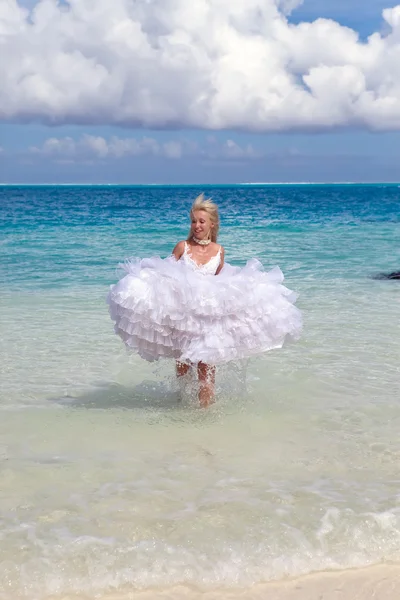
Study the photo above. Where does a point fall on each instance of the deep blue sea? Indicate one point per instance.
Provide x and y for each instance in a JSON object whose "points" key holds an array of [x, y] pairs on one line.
{"points": [[109, 485]]}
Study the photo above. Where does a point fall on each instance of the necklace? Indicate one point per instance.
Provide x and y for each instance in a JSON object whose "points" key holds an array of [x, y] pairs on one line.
{"points": [[201, 242]]}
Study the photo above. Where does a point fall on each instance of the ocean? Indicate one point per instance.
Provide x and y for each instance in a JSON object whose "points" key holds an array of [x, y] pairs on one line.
{"points": [[109, 485]]}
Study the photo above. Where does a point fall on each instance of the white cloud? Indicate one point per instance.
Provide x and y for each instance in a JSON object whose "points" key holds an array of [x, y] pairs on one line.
{"points": [[56, 146], [232, 150], [233, 64], [89, 147], [99, 147]]}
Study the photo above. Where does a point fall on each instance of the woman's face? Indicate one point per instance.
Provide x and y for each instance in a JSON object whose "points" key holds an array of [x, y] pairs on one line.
{"points": [[201, 224]]}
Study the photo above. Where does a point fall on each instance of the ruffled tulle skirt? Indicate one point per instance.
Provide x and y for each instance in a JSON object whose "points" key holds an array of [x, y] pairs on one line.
{"points": [[162, 308]]}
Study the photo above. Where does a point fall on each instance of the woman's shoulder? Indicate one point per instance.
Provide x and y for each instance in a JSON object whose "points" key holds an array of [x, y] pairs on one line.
{"points": [[216, 247], [179, 249], [180, 245]]}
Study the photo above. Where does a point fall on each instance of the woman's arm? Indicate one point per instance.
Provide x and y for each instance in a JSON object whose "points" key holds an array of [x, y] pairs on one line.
{"points": [[178, 250], [222, 261]]}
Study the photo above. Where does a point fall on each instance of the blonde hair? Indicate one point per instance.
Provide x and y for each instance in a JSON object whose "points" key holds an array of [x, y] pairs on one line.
{"points": [[206, 204]]}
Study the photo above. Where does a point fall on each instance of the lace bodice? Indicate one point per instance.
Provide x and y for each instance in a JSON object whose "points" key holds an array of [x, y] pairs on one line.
{"points": [[209, 268]]}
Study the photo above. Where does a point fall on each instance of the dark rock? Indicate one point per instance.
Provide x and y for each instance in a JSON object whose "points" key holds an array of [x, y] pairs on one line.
{"points": [[394, 275]]}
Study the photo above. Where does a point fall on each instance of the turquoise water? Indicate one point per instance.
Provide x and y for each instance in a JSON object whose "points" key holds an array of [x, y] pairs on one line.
{"points": [[107, 481]]}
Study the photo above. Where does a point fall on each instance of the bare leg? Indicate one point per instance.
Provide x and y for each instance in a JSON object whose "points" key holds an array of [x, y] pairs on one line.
{"points": [[181, 368], [206, 375]]}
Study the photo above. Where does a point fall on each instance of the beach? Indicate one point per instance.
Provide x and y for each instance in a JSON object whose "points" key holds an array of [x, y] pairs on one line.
{"points": [[112, 487], [377, 583]]}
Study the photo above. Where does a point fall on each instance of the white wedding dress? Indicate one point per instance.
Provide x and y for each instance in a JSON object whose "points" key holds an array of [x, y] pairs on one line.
{"points": [[182, 310]]}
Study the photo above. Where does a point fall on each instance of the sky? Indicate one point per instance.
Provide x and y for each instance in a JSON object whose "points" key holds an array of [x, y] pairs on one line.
{"points": [[206, 91]]}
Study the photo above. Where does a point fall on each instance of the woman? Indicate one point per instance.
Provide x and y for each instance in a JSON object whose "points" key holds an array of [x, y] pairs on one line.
{"points": [[195, 308], [201, 252]]}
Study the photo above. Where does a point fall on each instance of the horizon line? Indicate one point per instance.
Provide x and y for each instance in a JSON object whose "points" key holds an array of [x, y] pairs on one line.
{"points": [[196, 184]]}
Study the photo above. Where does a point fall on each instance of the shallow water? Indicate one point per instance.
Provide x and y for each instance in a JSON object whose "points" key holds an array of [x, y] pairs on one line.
{"points": [[107, 479]]}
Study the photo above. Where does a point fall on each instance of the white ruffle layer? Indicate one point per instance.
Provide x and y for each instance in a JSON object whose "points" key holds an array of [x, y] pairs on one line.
{"points": [[161, 308]]}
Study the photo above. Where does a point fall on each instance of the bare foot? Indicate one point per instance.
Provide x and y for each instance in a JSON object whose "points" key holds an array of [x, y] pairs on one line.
{"points": [[206, 375], [206, 396]]}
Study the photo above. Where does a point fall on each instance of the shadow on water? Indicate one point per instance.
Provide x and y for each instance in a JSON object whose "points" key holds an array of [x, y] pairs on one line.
{"points": [[158, 394], [146, 395]]}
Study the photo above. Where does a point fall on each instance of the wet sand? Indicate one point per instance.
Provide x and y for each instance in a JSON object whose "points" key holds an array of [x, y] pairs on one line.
{"points": [[373, 583]]}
